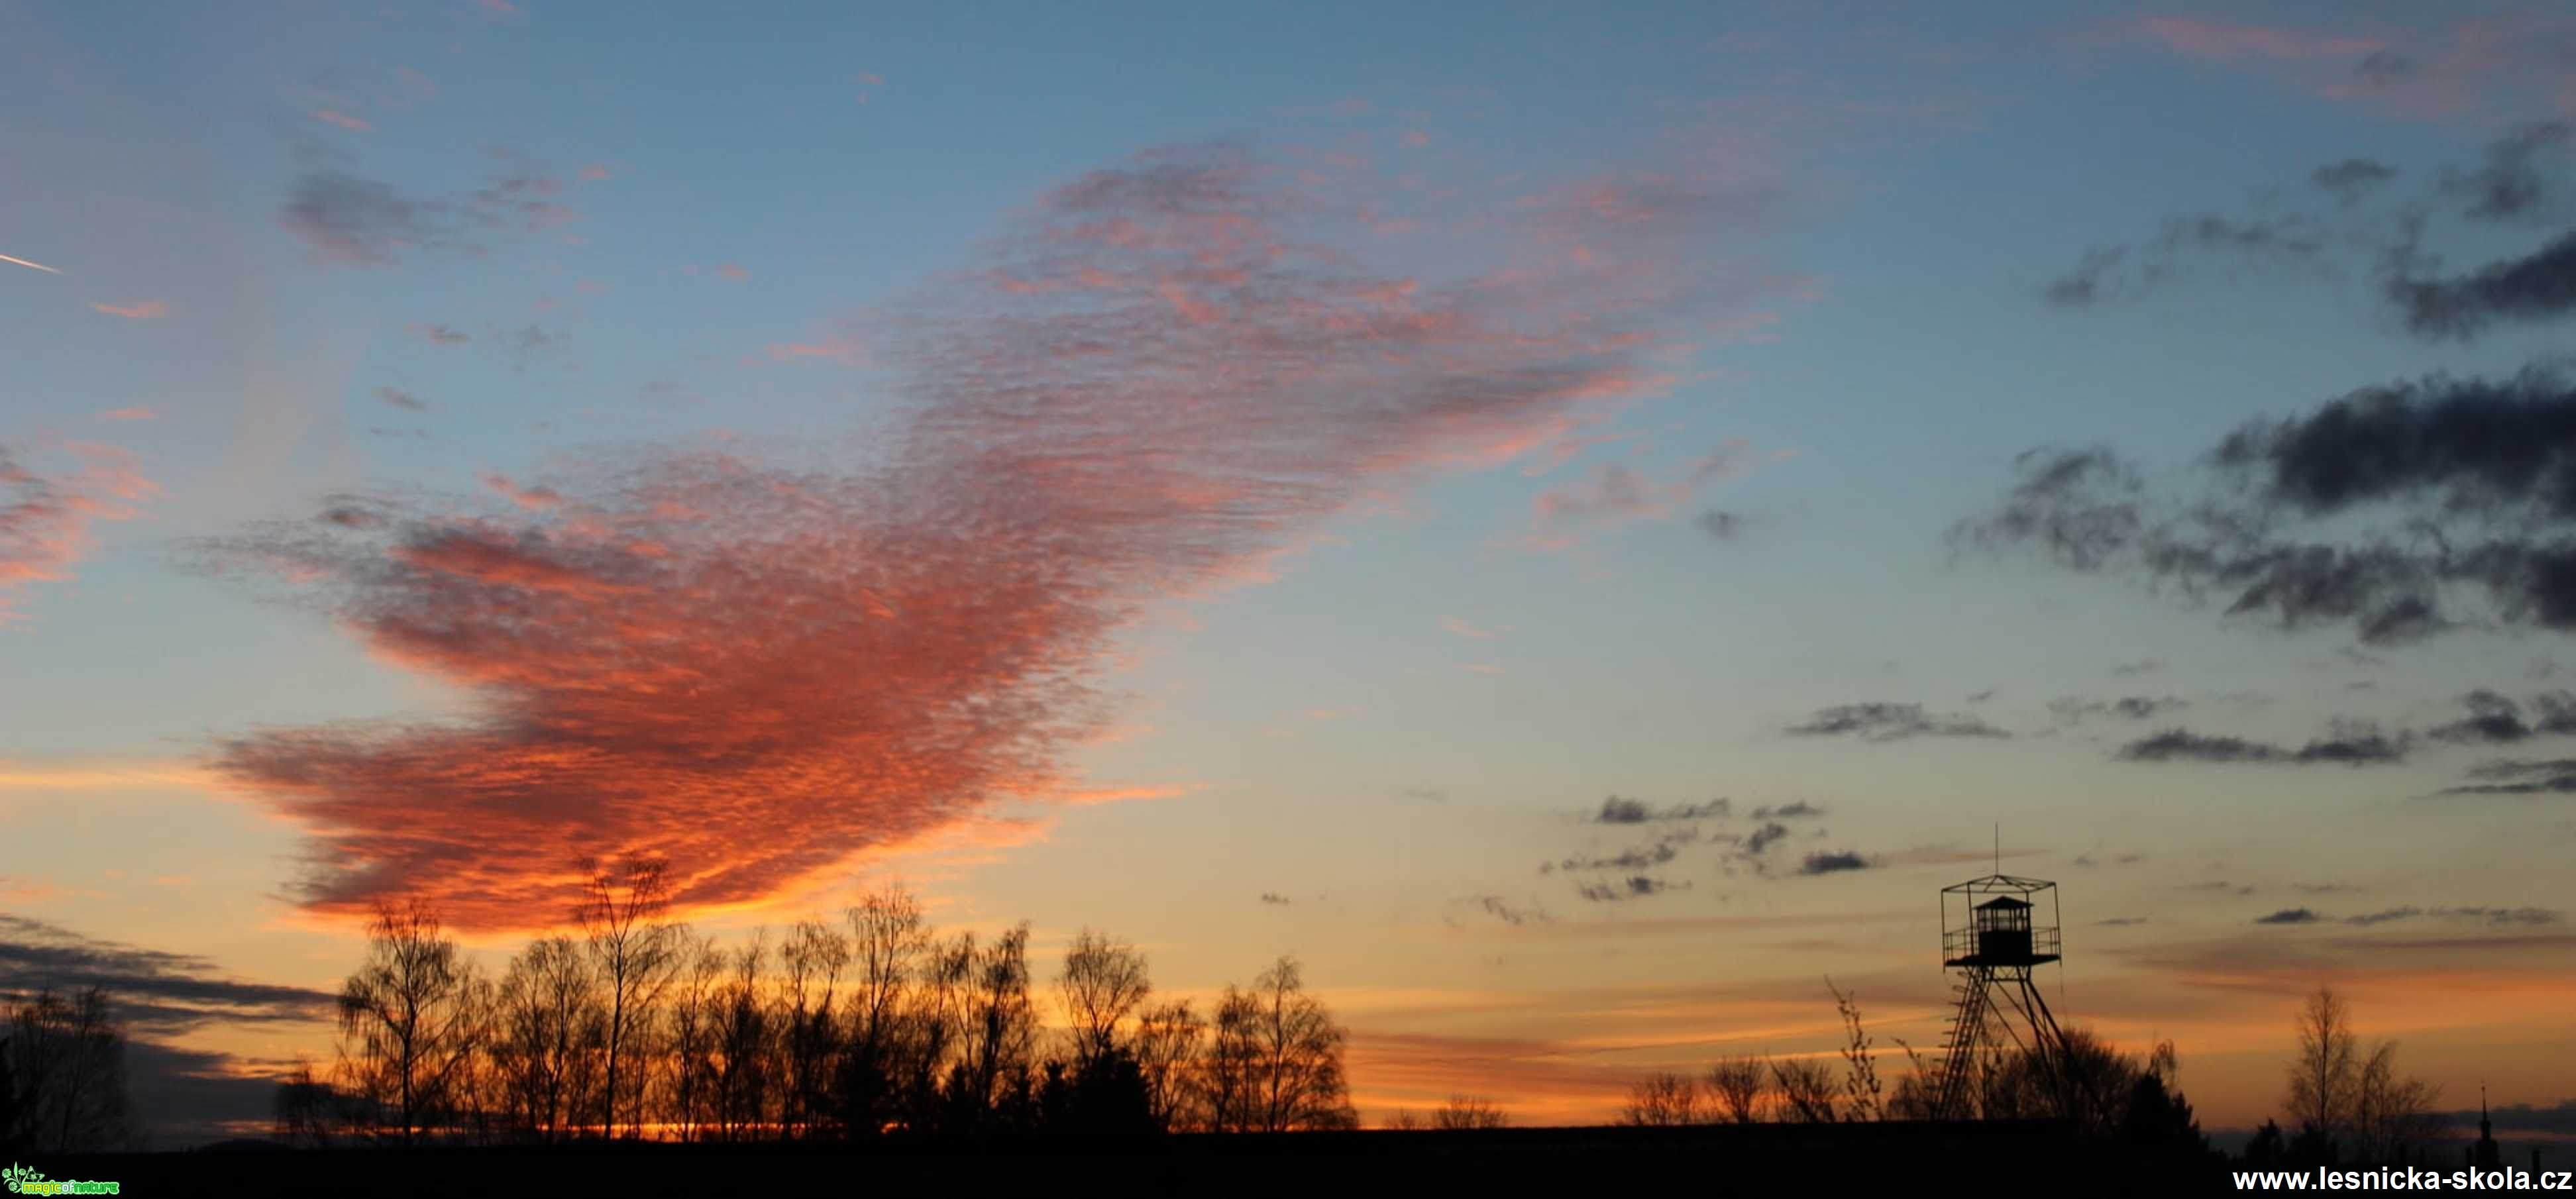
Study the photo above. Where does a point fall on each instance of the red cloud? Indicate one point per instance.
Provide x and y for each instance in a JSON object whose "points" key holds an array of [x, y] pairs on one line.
{"points": [[138, 310], [758, 671], [44, 521]]}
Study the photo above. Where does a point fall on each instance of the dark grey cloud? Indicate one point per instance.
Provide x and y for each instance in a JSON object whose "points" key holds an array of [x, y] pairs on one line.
{"points": [[2523, 917], [1617, 809], [399, 398], [2495, 719], [2220, 886], [2120, 922], [2075, 710], [2375, 511], [1764, 838], [2122, 271], [356, 221], [2523, 1118], [2349, 744], [2516, 178], [2536, 286], [1496, 907], [2512, 183], [186, 1097], [1719, 524], [2139, 667], [156, 992], [1833, 863], [2550, 776], [1425, 794], [1657, 853], [2351, 178], [1795, 810], [2289, 916], [1890, 722], [1634, 886], [348, 218], [1273, 897], [438, 334]]}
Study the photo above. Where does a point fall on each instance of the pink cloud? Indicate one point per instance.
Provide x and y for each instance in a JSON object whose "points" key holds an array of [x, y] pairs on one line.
{"points": [[135, 310], [499, 10], [2501, 65], [758, 671], [411, 89], [1464, 629], [831, 347], [333, 116], [531, 498], [131, 412], [1104, 795], [2228, 40], [45, 519]]}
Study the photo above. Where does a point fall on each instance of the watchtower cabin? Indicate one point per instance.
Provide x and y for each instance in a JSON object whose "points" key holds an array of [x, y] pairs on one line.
{"points": [[1999, 933]]}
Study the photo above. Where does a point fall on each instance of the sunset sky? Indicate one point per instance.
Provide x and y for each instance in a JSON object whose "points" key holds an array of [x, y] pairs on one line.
{"points": [[1574, 520]]}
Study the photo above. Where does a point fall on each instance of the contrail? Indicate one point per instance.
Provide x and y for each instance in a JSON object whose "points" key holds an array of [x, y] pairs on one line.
{"points": [[34, 265]]}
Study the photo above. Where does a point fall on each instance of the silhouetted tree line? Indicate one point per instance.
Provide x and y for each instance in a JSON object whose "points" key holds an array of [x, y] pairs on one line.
{"points": [[873, 1025], [2084, 1083], [62, 1075]]}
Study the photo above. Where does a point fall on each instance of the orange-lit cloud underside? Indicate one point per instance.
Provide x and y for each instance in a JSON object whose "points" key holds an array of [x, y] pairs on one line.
{"points": [[1165, 374]]}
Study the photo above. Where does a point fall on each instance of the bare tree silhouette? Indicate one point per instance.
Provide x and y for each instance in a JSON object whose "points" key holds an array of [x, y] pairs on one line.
{"points": [[1807, 1090], [549, 1040], [62, 1074], [1104, 982], [1662, 1101], [411, 1020], [2345, 1100], [1859, 1060], [1170, 1042], [1276, 1064], [626, 916], [1735, 1085], [1468, 1112], [2322, 1076], [815, 956]]}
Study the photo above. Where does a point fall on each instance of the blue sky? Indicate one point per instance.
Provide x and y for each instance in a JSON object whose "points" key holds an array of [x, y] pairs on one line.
{"points": [[1383, 639]]}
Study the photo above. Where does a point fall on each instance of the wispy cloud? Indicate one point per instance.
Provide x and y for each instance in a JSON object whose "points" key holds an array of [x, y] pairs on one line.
{"points": [[156, 991], [2350, 744], [2504, 62], [1882, 721], [355, 220], [1464, 629], [45, 519], [135, 310]]}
